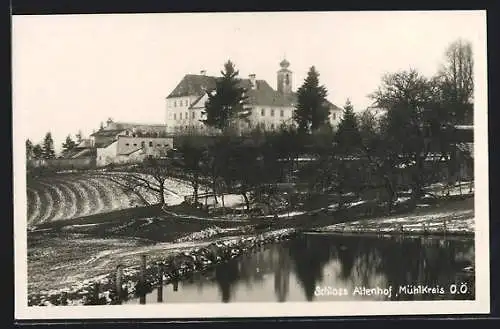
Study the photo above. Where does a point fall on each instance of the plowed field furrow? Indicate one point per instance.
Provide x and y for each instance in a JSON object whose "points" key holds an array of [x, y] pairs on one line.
{"points": [[50, 196], [70, 194], [96, 204], [82, 203], [34, 205]]}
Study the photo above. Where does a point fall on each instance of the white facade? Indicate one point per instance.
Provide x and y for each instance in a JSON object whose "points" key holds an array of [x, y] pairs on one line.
{"points": [[127, 149], [269, 108]]}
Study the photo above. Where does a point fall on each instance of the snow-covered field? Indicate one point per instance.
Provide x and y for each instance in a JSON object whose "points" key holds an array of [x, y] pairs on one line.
{"points": [[452, 222], [70, 196]]}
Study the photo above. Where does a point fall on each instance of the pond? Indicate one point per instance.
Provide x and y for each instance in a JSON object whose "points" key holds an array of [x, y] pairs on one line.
{"points": [[327, 267]]}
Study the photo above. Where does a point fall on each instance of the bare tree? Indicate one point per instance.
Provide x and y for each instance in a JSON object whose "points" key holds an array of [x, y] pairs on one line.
{"points": [[456, 78], [148, 178]]}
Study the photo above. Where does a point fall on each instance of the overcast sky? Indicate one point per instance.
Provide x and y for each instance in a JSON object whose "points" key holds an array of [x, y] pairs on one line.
{"points": [[71, 72]]}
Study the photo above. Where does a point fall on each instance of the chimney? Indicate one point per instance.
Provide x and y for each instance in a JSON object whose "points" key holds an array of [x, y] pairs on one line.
{"points": [[252, 81], [203, 72]]}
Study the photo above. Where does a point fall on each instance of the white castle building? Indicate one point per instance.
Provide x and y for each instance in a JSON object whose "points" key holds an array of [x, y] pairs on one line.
{"points": [[269, 108]]}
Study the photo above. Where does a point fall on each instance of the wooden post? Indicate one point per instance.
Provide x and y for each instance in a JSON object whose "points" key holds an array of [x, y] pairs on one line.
{"points": [[64, 298], [142, 279], [401, 229], [119, 284], [176, 285], [444, 226], [160, 283], [97, 289], [425, 228]]}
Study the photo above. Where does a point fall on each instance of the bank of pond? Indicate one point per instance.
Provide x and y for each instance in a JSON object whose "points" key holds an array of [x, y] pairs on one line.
{"points": [[287, 265]]}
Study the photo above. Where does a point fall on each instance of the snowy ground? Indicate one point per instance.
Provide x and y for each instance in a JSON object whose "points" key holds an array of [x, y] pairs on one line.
{"points": [[453, 222]]}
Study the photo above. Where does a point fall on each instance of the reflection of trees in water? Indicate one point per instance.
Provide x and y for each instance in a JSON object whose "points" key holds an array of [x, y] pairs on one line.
{"points": [[250, 269], [365, 261], [309, 255], [226, 275], [282, 268], [422, 261], [375, 262]]}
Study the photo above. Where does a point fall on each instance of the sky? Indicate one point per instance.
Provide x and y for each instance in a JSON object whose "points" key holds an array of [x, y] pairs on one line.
{"points": [[71, 72]]}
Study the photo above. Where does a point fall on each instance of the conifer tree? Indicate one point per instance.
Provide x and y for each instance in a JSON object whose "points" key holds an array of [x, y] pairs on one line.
{"points": [[37, 151], [347, 137], [68, 145], [312, 109], [226, 102], [29, 149], [48, 147]]}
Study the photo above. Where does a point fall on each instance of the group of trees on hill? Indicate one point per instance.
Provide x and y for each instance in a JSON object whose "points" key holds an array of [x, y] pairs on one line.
{"points": [[46, 150], [365, 151]]}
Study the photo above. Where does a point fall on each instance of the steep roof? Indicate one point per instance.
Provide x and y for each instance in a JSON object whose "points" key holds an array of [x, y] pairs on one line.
{"points": [[193, 84], [263, 94]]}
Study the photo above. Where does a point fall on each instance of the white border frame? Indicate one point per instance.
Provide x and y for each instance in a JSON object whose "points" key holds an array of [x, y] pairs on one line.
{"points": [[480, 305]]}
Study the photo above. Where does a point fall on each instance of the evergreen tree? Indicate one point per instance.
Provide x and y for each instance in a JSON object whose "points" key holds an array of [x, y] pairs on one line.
{"points": [[29, 149], [226, 102], [347, 137], [48, 147], [37, 151], [68, 145], [312, 109]]}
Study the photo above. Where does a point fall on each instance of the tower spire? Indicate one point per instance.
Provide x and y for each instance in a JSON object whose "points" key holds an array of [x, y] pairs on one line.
{"points": [[284, 84]]}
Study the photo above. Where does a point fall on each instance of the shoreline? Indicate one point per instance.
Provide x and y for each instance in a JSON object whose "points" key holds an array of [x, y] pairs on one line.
{"points": [[101, 290]]}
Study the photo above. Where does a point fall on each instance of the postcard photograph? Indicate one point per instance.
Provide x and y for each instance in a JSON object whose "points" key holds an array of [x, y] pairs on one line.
{"points": [[199, 165]]}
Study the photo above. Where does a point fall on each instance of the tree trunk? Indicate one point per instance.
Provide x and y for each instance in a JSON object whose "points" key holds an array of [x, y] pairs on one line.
{"points": [[214, 190], [247, 202], [195, 189], [162, 194], [390, 193]]}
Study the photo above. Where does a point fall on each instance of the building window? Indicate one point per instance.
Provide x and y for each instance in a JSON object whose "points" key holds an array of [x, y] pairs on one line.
{"points": [[175, 103], [158, 144], [150, 143], [272, 112], [192, 114], [175, 116], [282, 113], [186, 115], [127, 144], [272, 125], [334, 116], [135, 144], [262, 112]]}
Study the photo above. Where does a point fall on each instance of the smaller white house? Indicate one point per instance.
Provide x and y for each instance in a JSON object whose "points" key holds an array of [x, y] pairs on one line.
{"points": [[127, 149]]}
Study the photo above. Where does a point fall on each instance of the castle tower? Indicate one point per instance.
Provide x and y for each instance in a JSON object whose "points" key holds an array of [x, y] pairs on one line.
{"points": [[284, 78]]}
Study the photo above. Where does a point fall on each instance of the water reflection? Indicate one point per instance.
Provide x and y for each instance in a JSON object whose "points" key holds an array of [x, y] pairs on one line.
{"points": [[328, 267]]}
